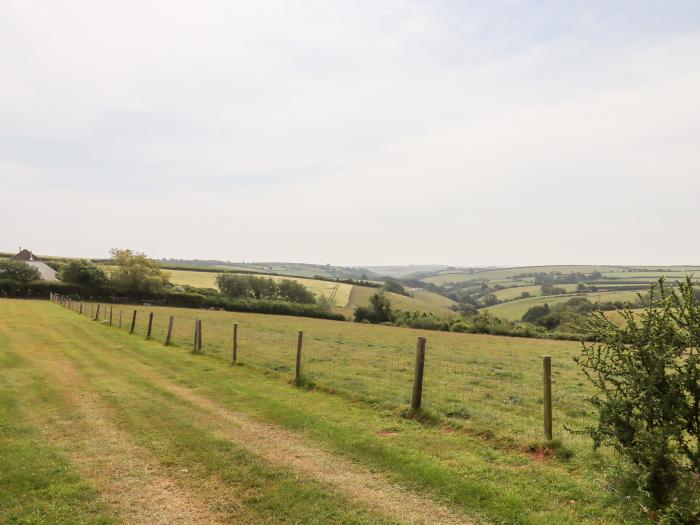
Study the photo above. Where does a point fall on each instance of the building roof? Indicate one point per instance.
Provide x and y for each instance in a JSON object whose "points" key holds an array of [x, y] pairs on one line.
{"points": [[25, 255]]}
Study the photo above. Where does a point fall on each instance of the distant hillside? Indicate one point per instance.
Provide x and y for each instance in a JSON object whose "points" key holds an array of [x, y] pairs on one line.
{"points": [[280, 268], [345, 297], [418, 270], [510, 292]]}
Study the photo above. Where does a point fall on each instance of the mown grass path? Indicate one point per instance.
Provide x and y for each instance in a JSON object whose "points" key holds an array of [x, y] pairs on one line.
{"points": [[159, 453], [152, 434]]}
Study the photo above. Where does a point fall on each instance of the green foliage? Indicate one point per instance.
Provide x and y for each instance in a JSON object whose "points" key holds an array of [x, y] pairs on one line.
{"points": [[83, 272], [378, 311], [394, 286], [294, 291], [550, 289], [136, 272], [536, 313], [490, 300], [18, 271], [647, 377], [567, 316], [236, 286]]}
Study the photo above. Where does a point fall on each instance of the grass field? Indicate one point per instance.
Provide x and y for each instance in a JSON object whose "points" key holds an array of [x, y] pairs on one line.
{"points": [[315, 286], [128, 429], [346, 298], [423, 301], [618, 283], [508, 294], [509, 273], [514, 310]]}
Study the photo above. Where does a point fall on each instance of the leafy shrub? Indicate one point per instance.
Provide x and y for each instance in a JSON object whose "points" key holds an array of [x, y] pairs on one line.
{"points": [[536, 313], [18, 271], [647, 376], [238, 286], [83, 272], [378, 311], [394, 286]]}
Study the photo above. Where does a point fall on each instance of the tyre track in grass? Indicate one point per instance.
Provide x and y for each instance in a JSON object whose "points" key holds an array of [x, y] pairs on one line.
{"points": [[286, 448], [125, 474]]}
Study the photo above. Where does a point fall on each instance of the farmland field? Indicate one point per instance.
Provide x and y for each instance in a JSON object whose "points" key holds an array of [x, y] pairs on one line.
{"points": [[346, 296], [85, 395], [514, 310], [341, 291]]}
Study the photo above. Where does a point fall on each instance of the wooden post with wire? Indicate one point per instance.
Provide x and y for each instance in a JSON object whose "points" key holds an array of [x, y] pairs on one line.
{"points": [[547, 369], [133, 323], [150, 325], [196, 346], [120, 319], [81, 308], [300, 341], [417, 395], [111, 309], [234, 351], [170, 330], [97, 313]]}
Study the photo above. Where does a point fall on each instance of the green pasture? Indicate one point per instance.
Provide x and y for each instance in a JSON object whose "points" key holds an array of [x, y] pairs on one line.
{"points": [[339, 291], [479, 446], [514, 310]]}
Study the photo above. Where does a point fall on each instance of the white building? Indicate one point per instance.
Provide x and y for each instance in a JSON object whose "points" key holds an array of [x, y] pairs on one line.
{"points": [[47, 273]]}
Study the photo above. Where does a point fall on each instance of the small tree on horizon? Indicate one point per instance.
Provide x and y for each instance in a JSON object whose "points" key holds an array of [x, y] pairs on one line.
{"points": [[136, 272]]}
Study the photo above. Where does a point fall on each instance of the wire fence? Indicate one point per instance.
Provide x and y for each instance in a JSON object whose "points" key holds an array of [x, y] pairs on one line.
{"points": [[380, 371]]}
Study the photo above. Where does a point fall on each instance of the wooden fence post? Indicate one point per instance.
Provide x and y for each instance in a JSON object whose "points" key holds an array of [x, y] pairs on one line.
{"points": [[300, 340], [133, 323], [97, 314], [547, 368], [170, 330], [234, 353], [150, 325], [92, 310], [197, 328], [111, 308], [120, 319], [417, 396], [81, 308]]}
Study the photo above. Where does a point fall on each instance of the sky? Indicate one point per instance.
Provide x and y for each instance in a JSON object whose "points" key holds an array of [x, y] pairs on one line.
{"points": [[353, 132]]}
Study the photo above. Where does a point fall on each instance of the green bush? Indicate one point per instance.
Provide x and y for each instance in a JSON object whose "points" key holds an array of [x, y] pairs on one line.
{"points": [[239, 286], [378, 311], [18, 271], [83, 272], [647, 377]]}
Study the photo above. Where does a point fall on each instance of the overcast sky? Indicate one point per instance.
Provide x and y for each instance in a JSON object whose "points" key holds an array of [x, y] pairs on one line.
{"points": [[353, 132]]}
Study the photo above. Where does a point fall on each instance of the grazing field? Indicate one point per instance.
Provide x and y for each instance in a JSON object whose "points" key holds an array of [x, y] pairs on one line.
{"points": [[514, 310], [346, 297], [508, 294], [339, 291], [510, 273], [423, 301], [600, 284], [477, 454]]}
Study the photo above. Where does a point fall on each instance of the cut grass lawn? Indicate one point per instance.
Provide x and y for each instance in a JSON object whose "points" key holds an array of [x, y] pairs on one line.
{"points": [[479, 452], [165, 459]]}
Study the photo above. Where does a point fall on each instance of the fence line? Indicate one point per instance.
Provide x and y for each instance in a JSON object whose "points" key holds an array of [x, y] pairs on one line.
{"points": [[384, 375]]}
